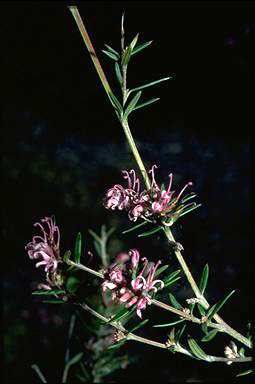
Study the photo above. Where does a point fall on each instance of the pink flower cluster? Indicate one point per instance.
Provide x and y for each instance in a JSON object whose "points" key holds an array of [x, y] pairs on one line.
{"points": [[129, 284], [46, 247], [150, 204]]}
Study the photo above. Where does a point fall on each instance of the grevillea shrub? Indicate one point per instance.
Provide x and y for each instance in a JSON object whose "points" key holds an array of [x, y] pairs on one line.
{"points": [[128, 284]]}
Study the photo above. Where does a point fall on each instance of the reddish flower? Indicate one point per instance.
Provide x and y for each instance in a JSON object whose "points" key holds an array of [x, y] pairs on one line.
{"points": [[150, 204], [46, 247], [129, 286]]}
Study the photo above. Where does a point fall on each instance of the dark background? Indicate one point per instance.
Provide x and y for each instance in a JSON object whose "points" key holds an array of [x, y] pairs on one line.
{"points": [[63, 147]]}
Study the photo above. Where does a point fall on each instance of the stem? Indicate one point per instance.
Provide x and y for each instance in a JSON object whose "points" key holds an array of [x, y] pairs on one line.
{"points": [[91, 50], [178, 348]]}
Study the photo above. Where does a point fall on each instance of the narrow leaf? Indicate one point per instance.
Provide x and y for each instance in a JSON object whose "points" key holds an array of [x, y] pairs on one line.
{"points": [[96, 237], [111, 55], [245, 373], [201, 310], [172, 276], [160, 270], [195, 348], [48, 293], [126, 56], [204, 279], [135, 227], [141, 46], [97, 248], [194, 206], [118, 73], [75, 359], [112, 50], [139, 325], [175, 302], [188, 197], [52, 301], [119, 315], [151, 232], [149, 84], [179, 333], [116, 103], [169, 324], [133, 42], [77, 248], [171, 282], [219, 305], [210, 335], [117, 344], [146, 103], [132, 104]]}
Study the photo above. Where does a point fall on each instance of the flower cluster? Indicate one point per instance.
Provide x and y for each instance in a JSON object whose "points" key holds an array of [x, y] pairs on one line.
{"points": [[131, 284], [150, 204], [46, 247]]}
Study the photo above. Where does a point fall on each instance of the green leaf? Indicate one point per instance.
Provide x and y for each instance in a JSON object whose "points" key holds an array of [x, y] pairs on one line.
{"points": [[134, 41], [49, 293], [171, 282], [160, 270], [72, 284], [135, 227], [126, 56], [204, 328], [197, 351], [171, 336], [245, 373], [119, 315], [201, 310], [77, 248], [188, 197], [97, 248], [175, 302], [204, 279], [171, 278], [117, 344], [146, 103], [219, 305], [151, 232], [116, 104], [180, 332], [111, 55], [169, 324], [141, 46], [139, 325], [67, 256], [210, 335], [118, 73], [194, 206], [149, 84], [112, 50], [53, 301], [132, 104], [93, 234]]}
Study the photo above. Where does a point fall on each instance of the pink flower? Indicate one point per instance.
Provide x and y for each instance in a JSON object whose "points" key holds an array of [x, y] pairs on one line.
{"points": [[130, 284], [152, 204], [46, 247]]}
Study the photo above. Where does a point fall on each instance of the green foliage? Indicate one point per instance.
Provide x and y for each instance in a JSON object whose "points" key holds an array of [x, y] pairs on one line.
{"points": [[131, 105], [196, 350], [169, 324], [140, 47], [204, 279], [77, 248], [174, 302], [172, 278], [216, 307], [151, 232], [210, 335]]}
